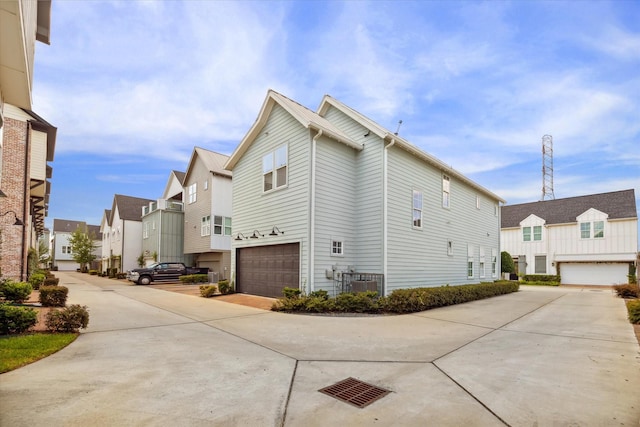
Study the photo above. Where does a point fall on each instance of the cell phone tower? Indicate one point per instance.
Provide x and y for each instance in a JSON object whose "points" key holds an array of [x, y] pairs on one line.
{"points": [[547, 168]]}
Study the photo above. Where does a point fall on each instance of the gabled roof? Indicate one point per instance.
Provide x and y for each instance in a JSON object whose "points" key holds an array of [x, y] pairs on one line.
{"points": [[179, 175], [213, 161], [617, 204], [129, 208], [303, 115], [400, 142], [66, 225], [176, 178], [107, 216], [95, 231]]}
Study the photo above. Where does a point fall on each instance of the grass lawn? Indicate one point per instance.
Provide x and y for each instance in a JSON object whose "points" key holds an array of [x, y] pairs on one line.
{"points": [[20, 350]]}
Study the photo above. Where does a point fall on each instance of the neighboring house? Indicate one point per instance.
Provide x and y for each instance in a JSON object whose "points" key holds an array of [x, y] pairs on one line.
{"points": [[27, 141], [62, 255], [123, 246], [323, 197], [105, 248], [587, 240], [163, 225], [207, 212]]}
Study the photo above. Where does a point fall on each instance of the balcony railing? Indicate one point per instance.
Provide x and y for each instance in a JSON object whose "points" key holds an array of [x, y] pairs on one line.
{"points": [[167, 205]]}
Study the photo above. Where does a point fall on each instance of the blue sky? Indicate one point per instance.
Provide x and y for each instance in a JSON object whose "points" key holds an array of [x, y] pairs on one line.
{"points": [[133, 86]]}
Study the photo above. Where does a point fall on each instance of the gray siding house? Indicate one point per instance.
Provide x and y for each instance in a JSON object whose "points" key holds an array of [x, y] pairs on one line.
{"points": [[207, 212], [331, 200]]}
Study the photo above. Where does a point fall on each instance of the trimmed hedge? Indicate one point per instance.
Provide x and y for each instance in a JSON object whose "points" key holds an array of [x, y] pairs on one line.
{"points": [[17, 292], [225, 287], [420, 299], [399, 301], [16, 320], [36, 280], [194, 278], [53, 296], [633, 307], [69, 319], [51, 281], [541, 278]]}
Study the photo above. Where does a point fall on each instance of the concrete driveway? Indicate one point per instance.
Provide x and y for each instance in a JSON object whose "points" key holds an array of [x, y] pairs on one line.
{"points": [[539, 357]]}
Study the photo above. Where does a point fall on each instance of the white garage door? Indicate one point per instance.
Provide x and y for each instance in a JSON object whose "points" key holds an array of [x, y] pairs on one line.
{"points": [[593, 274]]}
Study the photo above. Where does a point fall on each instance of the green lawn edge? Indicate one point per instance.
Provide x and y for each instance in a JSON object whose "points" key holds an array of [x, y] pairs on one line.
{"points": [[20, 350]]}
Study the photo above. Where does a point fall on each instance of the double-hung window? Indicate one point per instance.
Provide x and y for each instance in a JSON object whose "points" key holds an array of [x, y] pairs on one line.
{"points": [[470, 261], [221, 225], [585, 230], [537, 233], [205, 226], [526, 234], [274, 169], [494, 262], [192, 192], [417, 209], [446, 191], [598, 229]]}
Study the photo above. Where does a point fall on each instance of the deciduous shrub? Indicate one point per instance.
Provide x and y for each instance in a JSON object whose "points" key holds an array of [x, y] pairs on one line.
{"points": [[208, 291], [51, 281], [53, 296], [69, 319], [627, 291], [225, 287], [291, 292], [360, 302], [194, 278], [17, 292], [36, 280], [16, 320], [633, 307]]}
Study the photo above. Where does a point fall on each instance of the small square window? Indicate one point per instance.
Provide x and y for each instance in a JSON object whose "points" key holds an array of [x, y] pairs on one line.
{"points": [[337, 248]]}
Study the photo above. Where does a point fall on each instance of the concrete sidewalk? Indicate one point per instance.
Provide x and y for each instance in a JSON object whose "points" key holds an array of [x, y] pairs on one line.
{"points": [[541, 356]]}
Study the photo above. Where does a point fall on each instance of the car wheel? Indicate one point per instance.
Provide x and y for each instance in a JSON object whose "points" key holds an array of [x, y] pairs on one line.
{"points": [[144, 280]]}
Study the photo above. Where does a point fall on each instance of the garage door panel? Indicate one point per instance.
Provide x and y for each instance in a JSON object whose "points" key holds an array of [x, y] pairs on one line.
{"points": [[267, 270], [593, 273]]}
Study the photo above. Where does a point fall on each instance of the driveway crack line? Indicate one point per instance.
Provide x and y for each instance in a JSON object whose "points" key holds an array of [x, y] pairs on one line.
{"points": [[286, 403]]}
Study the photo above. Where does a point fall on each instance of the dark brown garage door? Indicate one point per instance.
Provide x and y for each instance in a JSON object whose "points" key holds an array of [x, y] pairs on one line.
{"points": [[266, 270]]}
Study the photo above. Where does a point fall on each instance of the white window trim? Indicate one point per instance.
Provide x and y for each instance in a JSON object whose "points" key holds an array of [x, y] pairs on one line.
{"points": [[340, 243], [478, 202], [205, 226], [446, 191], [192, 193], [414, 209], [592, 229], [450, 247], [274, 169], [494, 262], [470, 254]]}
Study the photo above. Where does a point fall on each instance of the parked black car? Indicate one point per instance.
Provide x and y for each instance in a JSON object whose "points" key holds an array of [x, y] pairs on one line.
{"points": [[162, 272]]}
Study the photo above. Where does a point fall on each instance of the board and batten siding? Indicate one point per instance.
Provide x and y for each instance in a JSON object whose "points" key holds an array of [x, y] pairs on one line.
{"points": [[419, 257], [286, 208], [38, 160], [336, 209], [194, 242], [368, 220]]}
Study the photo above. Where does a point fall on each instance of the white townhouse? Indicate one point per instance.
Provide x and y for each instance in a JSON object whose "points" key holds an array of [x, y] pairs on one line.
{"points": [[331, 200], [61, 253], [587, 240]]}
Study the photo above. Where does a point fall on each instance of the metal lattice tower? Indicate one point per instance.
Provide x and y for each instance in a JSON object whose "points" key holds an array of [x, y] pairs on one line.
{"points": [[547, 168]]}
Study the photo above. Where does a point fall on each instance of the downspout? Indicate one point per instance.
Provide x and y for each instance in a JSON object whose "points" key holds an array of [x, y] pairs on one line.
{"points": [[312, 214], [385, 225], [24, 202]]}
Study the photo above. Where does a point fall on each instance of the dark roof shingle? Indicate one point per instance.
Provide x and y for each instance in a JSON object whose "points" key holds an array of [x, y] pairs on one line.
{"points": [[129, 208], [617, 204]]}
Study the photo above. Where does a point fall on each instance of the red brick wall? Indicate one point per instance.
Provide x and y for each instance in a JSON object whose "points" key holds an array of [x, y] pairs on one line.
{"points": [[13, 185]]}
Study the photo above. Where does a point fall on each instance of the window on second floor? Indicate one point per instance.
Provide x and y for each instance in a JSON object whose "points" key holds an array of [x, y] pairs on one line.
{"points": [[537, 233], [337, 248], [145, 230], [205, 226], [221, 225], [192, 192], [586, 229], [417, 209], [446, 191], [274, 169]]}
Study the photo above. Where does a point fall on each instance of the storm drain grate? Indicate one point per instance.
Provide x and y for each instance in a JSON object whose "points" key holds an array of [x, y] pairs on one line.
{"points": [[355, 392]]}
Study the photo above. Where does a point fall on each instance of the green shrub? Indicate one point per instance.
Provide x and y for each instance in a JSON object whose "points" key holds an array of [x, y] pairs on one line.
{"points": [[291, 292], [93, 272], [36, 280], [320, 293], [361, 302], [16, 320], [225, 287], [194, 278], [420, 299], [506, 263], [208, 291], [627, 291], [51, 281], [633, 307], [69, 319], [541, 278], [17, 292], [53, 296], [540, 283]]}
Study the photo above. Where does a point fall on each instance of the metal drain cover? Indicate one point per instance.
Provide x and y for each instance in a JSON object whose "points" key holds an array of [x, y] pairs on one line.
{"points": [[355, 392]]}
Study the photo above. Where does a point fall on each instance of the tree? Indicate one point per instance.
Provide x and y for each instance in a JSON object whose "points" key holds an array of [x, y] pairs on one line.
{"points": [[507, 265], [82, 247]]}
